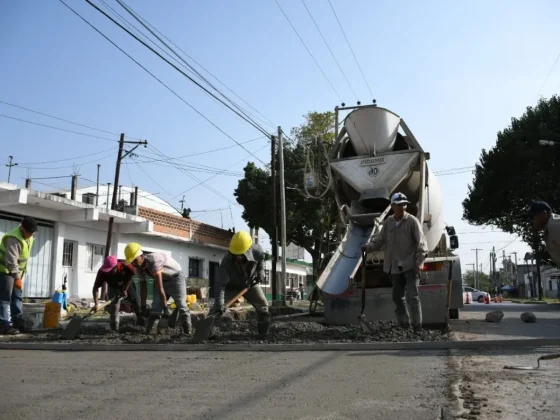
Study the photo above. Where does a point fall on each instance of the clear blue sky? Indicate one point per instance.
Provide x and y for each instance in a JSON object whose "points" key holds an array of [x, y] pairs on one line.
{"points": [[455, 71]]}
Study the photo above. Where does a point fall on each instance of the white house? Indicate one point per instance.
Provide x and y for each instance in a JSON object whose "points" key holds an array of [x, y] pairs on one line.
{"points": [[72, 237]]}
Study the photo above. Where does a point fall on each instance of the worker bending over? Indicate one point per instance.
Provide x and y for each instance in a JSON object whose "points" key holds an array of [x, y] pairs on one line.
{"points": [[15, 249], [242, 266], [542, 218], [119, 277], [169, 281], [405, 252]]}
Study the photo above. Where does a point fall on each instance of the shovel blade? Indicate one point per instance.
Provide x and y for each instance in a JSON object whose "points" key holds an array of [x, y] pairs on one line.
{"points": [[203, 330], [73, 328], [364, 324]]}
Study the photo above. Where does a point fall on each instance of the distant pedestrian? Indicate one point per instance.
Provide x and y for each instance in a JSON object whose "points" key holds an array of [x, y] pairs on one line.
{"points": [[119, 277], [405, 252], [169, 281], [15, 250], [542, 218]]}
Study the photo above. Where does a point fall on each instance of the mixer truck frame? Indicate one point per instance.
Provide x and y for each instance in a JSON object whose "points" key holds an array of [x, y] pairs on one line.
{"points": [[374, 155]]}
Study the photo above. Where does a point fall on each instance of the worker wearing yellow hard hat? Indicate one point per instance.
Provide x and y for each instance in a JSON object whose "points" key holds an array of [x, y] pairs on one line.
{"points": [[169, 281], [241, 267]]}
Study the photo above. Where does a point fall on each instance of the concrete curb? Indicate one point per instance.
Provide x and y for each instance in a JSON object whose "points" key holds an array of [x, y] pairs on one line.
{"points": [[435, 345]]}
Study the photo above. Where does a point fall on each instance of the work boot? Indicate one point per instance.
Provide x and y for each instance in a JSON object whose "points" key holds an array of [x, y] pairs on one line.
{"points": [[417, 327], [263, 324], [140, 321], [19, 325], [152, 325], [10, 331], [187, 324], [114, 326], [172, 322]]}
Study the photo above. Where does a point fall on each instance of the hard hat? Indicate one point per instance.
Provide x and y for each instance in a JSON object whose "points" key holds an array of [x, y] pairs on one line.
{"points": [[132, 251], [240, 243]]}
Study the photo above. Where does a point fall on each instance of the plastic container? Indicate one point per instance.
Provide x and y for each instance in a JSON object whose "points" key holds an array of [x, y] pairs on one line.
{"points": [[191, 298], [61, 297], [51, 316]]}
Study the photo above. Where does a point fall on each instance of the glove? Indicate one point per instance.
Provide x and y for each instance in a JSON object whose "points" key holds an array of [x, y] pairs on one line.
{"points": [[18, 283]]}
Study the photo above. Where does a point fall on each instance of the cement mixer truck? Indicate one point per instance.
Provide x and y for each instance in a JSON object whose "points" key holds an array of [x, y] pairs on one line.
{"points": [[373, 156]]}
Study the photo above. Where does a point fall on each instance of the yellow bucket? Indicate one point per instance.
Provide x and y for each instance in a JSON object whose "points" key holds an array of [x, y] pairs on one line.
{"points": [[191, 298], [51, 316]]}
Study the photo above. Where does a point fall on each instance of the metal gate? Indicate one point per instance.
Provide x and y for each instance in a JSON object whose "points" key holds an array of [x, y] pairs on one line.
{"points": [[37, 281]]}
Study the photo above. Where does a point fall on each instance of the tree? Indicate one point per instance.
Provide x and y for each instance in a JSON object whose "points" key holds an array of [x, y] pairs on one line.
{"points": [[310, 223], [483, 281], [517, 171]]}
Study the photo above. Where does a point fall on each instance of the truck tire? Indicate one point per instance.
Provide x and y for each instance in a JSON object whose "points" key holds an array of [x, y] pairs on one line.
{"points": [[454, 313]]}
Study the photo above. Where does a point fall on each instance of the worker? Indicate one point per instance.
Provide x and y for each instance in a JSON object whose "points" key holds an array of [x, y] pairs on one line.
{"points": [[543, 219], [241, 267], [15, 249], [169, 281], [119, 277], [405, 251]]}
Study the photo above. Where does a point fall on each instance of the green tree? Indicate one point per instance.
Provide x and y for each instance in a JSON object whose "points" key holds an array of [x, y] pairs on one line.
{"points": [[517, 171], [483, 282], [310, 223]]}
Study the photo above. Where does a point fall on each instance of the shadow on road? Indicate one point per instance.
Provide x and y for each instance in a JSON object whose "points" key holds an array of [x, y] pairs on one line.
{"points": [[443, 353]]}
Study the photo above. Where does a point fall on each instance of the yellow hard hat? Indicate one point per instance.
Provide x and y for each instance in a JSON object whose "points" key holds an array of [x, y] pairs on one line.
{"points": [[132, 251], [240, 243]]}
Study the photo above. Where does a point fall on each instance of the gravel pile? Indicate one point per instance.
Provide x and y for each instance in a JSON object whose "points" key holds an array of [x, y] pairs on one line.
{"points": [[281, 332]]}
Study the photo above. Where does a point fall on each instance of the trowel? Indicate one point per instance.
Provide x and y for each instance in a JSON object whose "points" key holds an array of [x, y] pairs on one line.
{"points": [[545, 357], [75, 325]]}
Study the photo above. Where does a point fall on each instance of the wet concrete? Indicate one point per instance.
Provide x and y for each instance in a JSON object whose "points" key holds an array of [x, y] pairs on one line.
{"points": [[230, 332]]}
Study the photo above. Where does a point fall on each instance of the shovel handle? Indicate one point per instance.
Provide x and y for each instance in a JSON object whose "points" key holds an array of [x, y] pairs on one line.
{"points": [[237, 296], [550, 356], [99, 308]]}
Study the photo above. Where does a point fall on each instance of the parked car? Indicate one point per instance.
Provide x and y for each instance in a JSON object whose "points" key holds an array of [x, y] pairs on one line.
{"points": [[477, 295]]}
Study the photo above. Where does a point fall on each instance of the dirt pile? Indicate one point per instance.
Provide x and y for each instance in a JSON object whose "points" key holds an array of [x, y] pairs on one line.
{"points": [[287, 332]]}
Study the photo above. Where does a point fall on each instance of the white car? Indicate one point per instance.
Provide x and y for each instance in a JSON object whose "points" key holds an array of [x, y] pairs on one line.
{"points": [[477, 295]]}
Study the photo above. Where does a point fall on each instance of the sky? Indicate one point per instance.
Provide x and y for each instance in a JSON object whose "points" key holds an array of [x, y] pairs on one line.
{"points": [[457, 72]]}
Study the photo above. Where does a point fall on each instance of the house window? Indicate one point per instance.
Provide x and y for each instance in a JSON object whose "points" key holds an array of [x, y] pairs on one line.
{"points": [[95, 255], [67, 253], [195, 267], [550, 285], [88, 198], [266, 277]]}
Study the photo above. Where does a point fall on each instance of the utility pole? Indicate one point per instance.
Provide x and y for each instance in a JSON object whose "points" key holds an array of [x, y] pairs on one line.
{"points": [[282, 212], [476, 267], [10, 165], [274, 238], [515, 277], [97, 185], [108, 188], [504, 263], [182, 201], [120, 157]]}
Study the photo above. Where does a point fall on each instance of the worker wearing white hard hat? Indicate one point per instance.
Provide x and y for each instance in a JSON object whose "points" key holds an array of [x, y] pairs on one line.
{"points": [[405, 251], [169, 281], [242, 266]]}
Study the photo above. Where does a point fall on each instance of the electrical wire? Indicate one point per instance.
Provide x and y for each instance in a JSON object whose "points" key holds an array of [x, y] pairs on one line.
{"points": [[329, 48], [156, 78], [67, 159], [548, 75], [351, 49], [68, 166], [58, 128], [239, 114], [153, 30], [308, 50]]}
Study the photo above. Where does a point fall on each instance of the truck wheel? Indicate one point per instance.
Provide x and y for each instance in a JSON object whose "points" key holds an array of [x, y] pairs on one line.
{"points": [[454, 313]]}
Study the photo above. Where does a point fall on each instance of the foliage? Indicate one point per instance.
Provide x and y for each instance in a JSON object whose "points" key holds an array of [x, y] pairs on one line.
{"points": [[483, 282], [310, 223], [517, 171]]}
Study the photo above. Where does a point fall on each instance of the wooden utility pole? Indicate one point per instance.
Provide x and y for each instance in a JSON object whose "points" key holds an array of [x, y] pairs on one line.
{"points": [[120, 157], [282, 214], [476, 267], [10, 165], [274, 238]]}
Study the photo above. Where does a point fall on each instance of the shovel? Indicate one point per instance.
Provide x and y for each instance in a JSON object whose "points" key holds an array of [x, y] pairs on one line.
{"points": [[362, 318], [75, 325], [205, 326], [545, 357]]}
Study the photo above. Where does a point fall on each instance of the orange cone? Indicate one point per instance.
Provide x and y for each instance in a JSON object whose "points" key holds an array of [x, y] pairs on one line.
{"points": [[487, 299], [501, 299], [467, 301]]}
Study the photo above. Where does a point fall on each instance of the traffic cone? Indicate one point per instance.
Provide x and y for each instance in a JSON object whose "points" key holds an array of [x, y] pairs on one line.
{"points": [[496, 299], [467, 301], [501, 299], [487, 299]]}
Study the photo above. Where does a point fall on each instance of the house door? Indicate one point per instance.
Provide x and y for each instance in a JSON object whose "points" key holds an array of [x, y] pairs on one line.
{"points": [[69, 251], [212, 275]]}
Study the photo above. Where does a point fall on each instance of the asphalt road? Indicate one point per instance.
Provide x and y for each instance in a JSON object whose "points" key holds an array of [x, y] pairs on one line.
{"points": [[141, 385]]}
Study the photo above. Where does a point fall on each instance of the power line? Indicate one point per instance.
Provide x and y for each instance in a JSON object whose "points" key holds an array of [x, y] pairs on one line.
{"points": [[244, 117], [351, 49], [329, 48], [548, 75], [156, 78], [154, 31], [57, 128], [308, 50], [67, 159], [70, 166]]}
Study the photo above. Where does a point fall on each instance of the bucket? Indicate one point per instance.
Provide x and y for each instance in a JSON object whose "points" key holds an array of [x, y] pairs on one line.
{"points": [[60, 297], [51, 316], [191, 298]]}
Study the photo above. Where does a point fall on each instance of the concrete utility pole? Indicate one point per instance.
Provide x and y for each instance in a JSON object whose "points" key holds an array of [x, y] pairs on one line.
{"points": [[515, 276], [476, 267], [274, 238], [97, 185], [10, 165], [282, 212], [182, 201], [120, 157]]}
